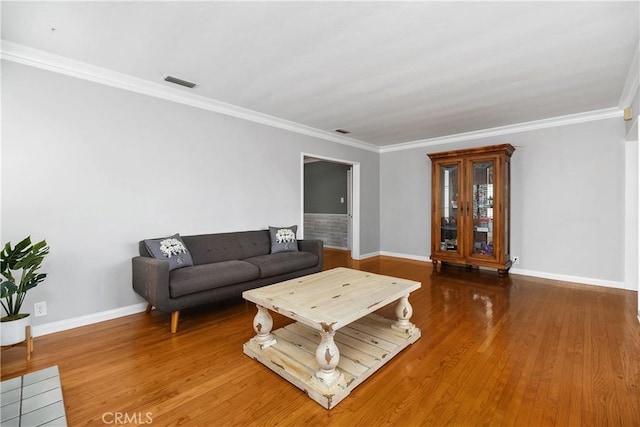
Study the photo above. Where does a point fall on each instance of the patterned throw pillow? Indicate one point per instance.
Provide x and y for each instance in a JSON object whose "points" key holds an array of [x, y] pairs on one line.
{"points": [[171, 249], [283, 239]]}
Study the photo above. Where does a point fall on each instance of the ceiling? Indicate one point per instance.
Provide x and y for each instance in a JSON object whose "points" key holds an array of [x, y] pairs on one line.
{"points": [[389, 72]]}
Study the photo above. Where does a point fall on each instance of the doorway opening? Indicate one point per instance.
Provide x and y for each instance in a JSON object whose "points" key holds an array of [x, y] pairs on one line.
{"points": [[330, 206]]}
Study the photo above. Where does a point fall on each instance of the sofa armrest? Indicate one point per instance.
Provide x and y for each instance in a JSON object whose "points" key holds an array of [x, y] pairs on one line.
{"points": [[151, 280], [314, 246]]}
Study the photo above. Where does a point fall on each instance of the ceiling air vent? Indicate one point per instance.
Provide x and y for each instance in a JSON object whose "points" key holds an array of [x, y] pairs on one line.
{"points": [[185, 83], [342, 131]]}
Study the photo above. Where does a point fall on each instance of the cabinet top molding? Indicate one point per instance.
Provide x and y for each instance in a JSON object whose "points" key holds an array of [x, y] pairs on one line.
{"points": [[507, 149]]}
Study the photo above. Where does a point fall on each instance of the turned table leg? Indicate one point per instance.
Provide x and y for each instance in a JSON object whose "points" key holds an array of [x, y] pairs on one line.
{"points": [[404, 311], [262, 324], [328, 356]]}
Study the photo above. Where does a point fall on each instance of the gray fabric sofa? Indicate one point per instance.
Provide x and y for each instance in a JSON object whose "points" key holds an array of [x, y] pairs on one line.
{"points": [[224, 265]]}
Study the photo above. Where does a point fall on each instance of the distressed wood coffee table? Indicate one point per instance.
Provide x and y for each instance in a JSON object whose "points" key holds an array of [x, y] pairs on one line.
{"points": [[333, 308]]}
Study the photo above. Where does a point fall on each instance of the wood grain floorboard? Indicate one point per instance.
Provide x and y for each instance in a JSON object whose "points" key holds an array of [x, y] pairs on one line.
{"points": [[513, 351]]}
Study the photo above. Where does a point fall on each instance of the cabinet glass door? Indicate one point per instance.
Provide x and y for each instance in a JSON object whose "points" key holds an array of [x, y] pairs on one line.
{"points": [[448, 211], [482, 207]]}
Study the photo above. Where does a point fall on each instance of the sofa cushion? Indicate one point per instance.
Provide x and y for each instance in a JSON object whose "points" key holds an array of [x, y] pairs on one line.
{"points": [[170, 249], [210, 248], [283, 262], [205, 277], [283, 239]]}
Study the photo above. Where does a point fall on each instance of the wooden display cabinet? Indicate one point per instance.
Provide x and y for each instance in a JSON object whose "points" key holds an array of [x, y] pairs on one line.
{"points": [[470, 207]]}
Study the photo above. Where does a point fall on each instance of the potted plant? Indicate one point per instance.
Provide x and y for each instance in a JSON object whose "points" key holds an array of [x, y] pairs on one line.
{"points": [[19, 267]]}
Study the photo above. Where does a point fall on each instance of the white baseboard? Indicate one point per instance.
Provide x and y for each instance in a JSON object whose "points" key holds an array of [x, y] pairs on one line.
{"points": [[532, 273], [365, 256], [336, 247], [567, 278], [89, 319], [406, 256]]}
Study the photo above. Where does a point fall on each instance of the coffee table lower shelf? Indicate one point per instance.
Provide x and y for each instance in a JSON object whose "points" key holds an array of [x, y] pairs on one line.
{"points": [[365, 346]]}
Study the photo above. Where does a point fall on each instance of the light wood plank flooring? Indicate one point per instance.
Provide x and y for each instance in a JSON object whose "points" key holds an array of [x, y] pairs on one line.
{"points": [[515, 351]]}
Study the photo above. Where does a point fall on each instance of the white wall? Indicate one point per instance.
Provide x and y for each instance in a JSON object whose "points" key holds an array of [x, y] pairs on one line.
{"points": [[567, 200], [631, 215], [632, 186], [94, 169]]}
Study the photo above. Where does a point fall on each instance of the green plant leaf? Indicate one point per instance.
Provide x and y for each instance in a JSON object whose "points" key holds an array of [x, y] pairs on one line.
{"points": [[11, 256], [7, 288], [28, 258]]}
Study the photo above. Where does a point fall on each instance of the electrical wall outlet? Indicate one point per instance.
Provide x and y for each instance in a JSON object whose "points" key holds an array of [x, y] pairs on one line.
{"points": [[40, 309], [515, 260]]}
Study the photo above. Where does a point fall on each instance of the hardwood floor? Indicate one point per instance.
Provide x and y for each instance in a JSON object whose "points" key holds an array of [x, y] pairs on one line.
{"points": [[494, 351]]}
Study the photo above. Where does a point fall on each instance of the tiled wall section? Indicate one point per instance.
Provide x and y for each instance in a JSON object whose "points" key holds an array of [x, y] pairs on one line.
{"points": [[330, 228]]}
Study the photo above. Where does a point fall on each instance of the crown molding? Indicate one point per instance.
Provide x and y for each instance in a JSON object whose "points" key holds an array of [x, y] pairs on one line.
{"points": [[25, 55], [630, 89], [570, 119], [59, 64]]}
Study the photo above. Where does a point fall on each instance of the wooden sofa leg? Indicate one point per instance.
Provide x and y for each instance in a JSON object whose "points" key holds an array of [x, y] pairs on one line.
{"points": [[175, 315], [149, 307]]}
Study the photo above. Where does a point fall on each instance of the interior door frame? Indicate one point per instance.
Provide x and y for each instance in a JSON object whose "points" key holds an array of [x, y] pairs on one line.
{"points": [[355, 192], [350, 208]]}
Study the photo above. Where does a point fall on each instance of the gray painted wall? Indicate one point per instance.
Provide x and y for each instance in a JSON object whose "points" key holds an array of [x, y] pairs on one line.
{"points": [[405, 199], [325, 184], [94, 169], [567, 199]]}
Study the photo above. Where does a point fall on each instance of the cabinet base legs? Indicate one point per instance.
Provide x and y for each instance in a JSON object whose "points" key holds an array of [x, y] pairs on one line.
{"points": [[502, 272]]}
